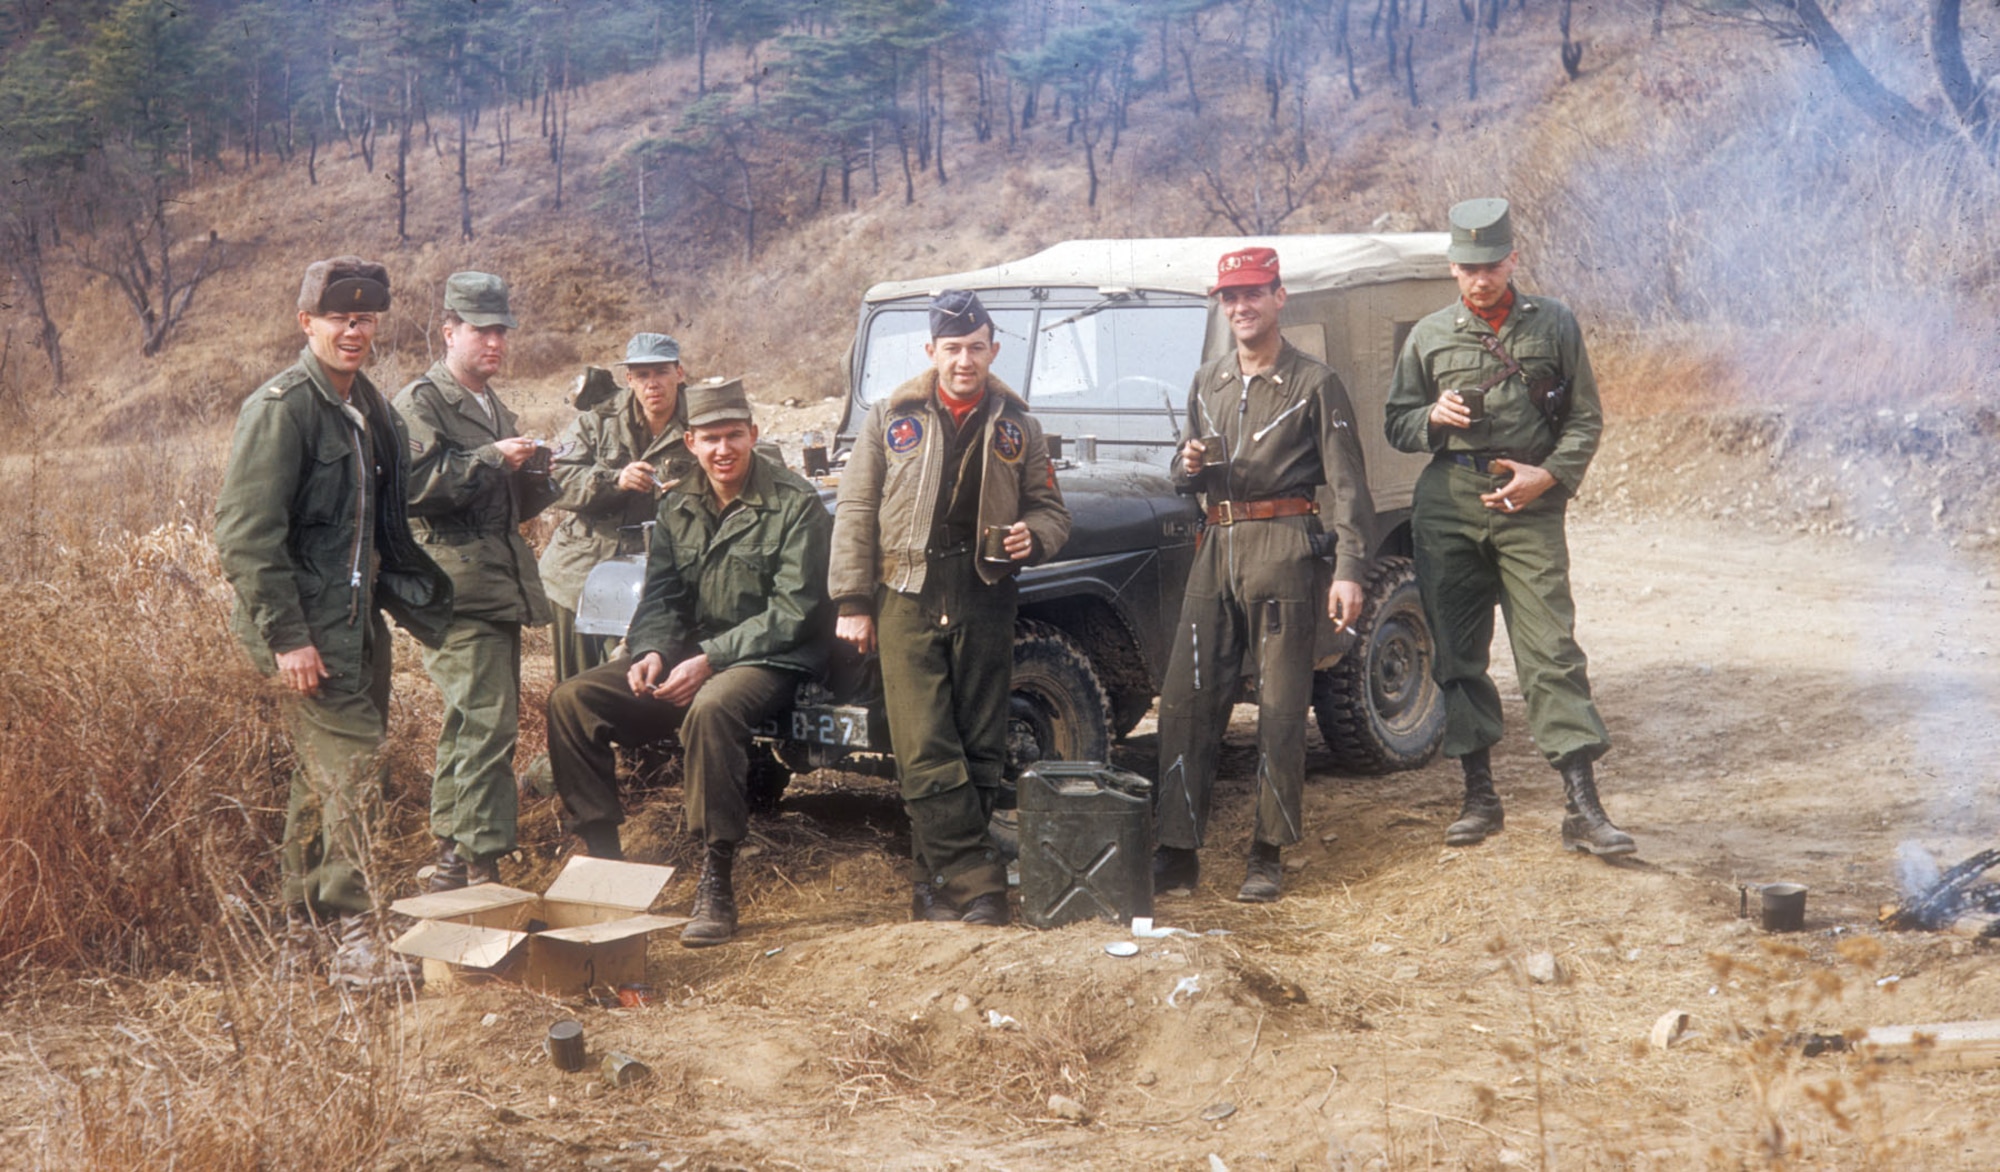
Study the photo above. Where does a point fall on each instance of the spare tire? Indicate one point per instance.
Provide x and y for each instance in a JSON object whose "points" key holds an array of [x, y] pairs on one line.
{"points": [[1378, 708]]}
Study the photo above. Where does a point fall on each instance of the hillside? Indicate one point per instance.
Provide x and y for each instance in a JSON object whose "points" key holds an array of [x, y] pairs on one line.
{"points": [[1657, 192]]}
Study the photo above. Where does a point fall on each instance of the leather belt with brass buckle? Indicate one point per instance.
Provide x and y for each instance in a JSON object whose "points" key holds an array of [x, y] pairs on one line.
{"points": [[1230, 512]]}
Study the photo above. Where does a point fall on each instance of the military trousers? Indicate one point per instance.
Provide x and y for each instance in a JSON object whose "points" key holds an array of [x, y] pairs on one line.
{"points": [[1471, 558], [336, 791], [478, 670], [1255, 592], [575, 652], [594, 712], [947, 657]]}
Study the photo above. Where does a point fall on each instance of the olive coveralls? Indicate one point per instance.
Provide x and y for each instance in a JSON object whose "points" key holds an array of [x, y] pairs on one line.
{"points": [[918, 491], [468, 509], [1470, 557], [604, 520], [1256, 588], [313, 536]]}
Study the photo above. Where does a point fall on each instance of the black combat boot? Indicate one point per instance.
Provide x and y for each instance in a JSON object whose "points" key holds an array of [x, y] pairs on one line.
{"points": [[1587, 828], [448, 870], [989, 910], [1175, 866], [714, 900], [601, 841], [1481, 814], [1263, 876], [926, 905]]}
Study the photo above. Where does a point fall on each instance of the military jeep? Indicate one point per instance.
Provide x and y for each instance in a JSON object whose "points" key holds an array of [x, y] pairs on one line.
{"points": [[1102, 337]]}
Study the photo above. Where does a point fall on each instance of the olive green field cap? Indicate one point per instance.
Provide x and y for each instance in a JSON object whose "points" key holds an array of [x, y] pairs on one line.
{"points": [[648, 349], [344, 284], [1482, 232], [479, 299], [716, 400]]}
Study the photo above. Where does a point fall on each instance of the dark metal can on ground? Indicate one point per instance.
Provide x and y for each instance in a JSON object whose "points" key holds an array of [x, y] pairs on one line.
{"points": [[565, 1045]]}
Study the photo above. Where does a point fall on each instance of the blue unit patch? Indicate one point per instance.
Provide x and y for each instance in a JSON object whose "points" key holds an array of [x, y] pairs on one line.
{"points": [[905, 433], [1008, 442]]}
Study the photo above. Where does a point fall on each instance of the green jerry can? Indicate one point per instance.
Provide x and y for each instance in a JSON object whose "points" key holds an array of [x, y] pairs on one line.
{"points": [[1086, 843]]}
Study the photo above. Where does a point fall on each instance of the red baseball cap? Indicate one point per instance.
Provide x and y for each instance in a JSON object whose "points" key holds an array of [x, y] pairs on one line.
{"points": [[1247, 266]]}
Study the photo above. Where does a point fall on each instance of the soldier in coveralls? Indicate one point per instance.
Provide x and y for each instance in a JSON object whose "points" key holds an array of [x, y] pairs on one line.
{"points": [[314, 538], [1267, 426], [944, 458], [1479, 384], [473, 479]]}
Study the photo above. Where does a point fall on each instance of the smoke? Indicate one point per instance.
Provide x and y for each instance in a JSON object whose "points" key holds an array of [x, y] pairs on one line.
{"points": [[1916, 871]]}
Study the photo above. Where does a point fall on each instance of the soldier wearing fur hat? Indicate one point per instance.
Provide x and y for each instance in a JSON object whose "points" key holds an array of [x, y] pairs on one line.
{"points": [[473, 479], [618, 455], [732, 616], [314, 536], [1267, 426], [1498, 388], [945, 458]]}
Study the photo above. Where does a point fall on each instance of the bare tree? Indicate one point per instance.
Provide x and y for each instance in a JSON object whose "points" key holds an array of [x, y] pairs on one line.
{"points": [[141, 255], [1804, 22]]}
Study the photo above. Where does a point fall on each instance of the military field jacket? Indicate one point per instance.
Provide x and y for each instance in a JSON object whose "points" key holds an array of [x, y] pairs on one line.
{"points": [[746, 588], [889, 491], [1288, 432], [604, 520], [1443, 353], [312, 527], [467, 508]]}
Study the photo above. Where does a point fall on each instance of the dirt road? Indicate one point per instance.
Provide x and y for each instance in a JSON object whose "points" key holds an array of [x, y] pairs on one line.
{"points": [[1784, 708]]}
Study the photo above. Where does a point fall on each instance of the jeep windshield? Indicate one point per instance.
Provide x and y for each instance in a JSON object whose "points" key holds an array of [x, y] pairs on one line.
{"points": [[1116, 368]]}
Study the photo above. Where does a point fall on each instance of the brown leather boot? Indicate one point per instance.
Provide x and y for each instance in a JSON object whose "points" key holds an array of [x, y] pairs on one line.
{"points": [[1263, 877], [714, 900]]}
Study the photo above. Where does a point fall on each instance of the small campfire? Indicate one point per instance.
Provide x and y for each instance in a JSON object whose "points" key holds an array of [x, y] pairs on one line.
{"points": [[1955, 901]]}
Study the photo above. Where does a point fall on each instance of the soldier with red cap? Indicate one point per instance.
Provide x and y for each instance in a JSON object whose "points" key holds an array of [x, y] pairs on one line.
{"points": [[1267, 426]]}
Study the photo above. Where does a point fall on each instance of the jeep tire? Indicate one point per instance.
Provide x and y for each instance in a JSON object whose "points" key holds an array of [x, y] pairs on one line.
{"points": [[1058, 712], [1378, 708]]}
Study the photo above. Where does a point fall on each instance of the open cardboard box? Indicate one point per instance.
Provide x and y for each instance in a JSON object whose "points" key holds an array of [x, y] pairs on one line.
{"points": [[588, 929]]}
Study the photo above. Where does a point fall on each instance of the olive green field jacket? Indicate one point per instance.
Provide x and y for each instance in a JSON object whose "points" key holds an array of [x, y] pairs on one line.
{"points": [[1443, 353], [312, 525], [465, 506], [889, 491], [746, 588], [602, 520]]}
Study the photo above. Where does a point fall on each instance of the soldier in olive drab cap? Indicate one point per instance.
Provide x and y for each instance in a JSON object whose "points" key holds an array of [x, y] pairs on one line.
{"points": [[944, 458], [732, 616], [621, 451], [314, 538], [1481, 384], [1267, 426], [473, 480]]}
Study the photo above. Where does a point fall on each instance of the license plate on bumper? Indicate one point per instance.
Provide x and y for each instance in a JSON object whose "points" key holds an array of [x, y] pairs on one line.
{"points": [[843, 726]]}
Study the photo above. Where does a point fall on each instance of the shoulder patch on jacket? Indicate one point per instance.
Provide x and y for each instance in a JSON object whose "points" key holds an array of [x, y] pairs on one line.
{"points": [[1008, 442], [905, 432]]}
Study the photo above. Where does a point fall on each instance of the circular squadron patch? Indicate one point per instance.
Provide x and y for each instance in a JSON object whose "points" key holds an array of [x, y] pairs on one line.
{"points": [[905, 433], [1008, 442]]}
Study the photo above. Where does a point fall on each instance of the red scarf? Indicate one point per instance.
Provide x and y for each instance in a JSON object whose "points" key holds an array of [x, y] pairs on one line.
{"points": [[1496, 316], [960, 410]]}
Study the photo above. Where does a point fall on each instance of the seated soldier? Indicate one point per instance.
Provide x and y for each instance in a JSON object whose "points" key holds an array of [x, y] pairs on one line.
{"points": [[733, 614]]}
